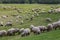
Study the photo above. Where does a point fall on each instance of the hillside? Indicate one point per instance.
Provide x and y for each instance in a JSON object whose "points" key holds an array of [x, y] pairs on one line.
{"points": [[24, 10]]}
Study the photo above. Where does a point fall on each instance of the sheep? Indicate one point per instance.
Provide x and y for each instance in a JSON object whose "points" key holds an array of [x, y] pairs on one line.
{"points": [[17, 30], [17, 21], [1, 23], [18, 10], [50, 11], [42, 28], [14, 15], [57, 10], [11, 32], [36, 14], [31, 26], [21, 22], [43, 12], [35, 10], [3, 33], [19, 17], [49, 27], [56, 25], [21, 30], [33, 16], [25, 32], [48, 19], [4, 16], [8, 24], [4, 7], [35, 30]]}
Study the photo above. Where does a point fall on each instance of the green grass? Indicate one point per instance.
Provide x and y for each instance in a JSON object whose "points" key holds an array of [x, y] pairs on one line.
{"points": [[40, 20]]}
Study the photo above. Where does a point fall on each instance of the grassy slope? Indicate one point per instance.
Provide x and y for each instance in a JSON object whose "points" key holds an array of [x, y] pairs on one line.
{"points": [[53, 35]]}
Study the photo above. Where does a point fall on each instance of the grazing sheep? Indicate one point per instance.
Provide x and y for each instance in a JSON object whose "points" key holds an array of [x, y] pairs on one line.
{"points": [[1, 23], [14, 15], [19, 17], [56, 25], [11, 32], [17, 21], [21, 30], [35, 30], [17, 30], [36, 14], [31, 26], [33, 16], [49, 27], [4, 16], [8, 24], [19, 11], [50, 11], [21, 22], [42, 28], [25, 32], [43, 12], [57, 10], [4, 7], [3, 33], [35, 10], [48, 19]]}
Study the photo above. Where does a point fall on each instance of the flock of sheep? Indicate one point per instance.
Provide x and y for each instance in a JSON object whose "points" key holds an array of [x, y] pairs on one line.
{"points": [[32, 29], [27, 31]]}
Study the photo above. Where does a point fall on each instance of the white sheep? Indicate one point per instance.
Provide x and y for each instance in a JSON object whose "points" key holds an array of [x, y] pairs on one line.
{"points": [[49, 27], [21, 30], [56, 25], [48, 19], [1, 23], [21, 22], [42, 28], [35, 30], [11, 32], [8, 24], [3, 33], [4, 16], [25, 32]]}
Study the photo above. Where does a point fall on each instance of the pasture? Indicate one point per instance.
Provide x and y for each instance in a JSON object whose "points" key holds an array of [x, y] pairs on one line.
{"points": [[25, 11]]}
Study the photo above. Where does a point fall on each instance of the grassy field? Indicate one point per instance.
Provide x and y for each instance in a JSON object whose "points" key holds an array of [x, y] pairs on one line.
{"points": [[40, 20]]}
